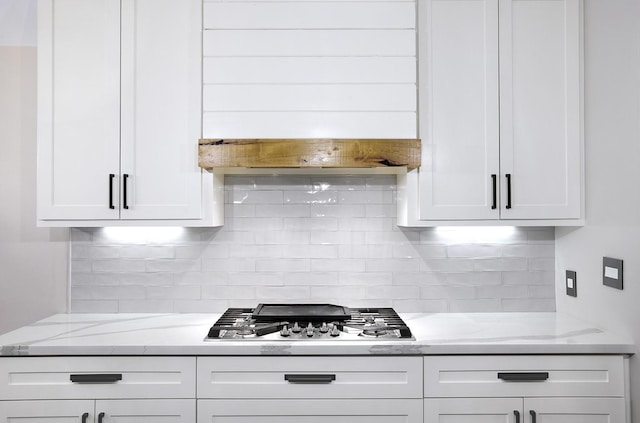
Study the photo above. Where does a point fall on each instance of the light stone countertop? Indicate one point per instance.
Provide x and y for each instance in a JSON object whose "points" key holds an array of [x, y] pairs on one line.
{"points": [[184, 334]]}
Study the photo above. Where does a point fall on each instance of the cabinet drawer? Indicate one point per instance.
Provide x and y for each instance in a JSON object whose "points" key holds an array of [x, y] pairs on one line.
{"points": [[309, 377], [518, 376], [97, 377], [311, 411]]}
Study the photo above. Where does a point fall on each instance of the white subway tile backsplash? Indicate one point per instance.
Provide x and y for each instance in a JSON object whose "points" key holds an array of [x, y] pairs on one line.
{"points": [[311, 278], [334, 210], [392, 265], [365, 278], [311, 224], [124, 266], [313, 239], [320, 251], [283, 210], [255, 278], [338, 265], [177, 265], [229, 265], [367, 224], [499, 264], [212, 292], [283, 265], [314, 196]]}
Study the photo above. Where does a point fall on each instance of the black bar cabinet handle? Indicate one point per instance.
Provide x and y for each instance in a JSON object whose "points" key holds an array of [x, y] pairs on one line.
{"points": [[111, 177], [517, 414], [100, 417], [494, 181], [524, 377], [96, 378], [85, 416], [508, 176], [312, 378], [533, 416], [125, 203]]}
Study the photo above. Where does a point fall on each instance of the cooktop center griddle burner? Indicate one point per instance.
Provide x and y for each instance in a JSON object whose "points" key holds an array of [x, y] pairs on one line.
{"points": [[309, 322]]}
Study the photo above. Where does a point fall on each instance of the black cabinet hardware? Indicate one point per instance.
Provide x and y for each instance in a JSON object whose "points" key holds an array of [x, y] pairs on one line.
{"points": [[309, 378], [524, 377], [85, 416], [111, 177], [494, 181], [125, 203], [533, 416], [508, 176], [100, 417], [96, 378], [517, 414]]}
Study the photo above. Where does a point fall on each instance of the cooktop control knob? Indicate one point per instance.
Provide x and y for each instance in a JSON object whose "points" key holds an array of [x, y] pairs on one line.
{"points": [[310, 329], [285, 331], [296, 328], [324, 328], [335, 331]]}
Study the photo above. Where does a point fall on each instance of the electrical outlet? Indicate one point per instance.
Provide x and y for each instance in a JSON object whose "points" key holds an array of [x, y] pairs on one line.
{"points": [[571, 280], [612, 272]]}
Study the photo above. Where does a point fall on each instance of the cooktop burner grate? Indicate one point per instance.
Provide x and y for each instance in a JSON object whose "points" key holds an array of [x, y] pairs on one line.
{"points": [[358, 323]]}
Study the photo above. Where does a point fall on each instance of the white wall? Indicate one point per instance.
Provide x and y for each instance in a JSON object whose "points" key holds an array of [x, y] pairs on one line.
{"points": [[33, 261], [612, 136]]}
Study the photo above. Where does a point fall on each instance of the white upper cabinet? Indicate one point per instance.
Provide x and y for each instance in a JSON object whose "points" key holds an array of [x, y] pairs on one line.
{"points": [[161, 77], [540, 136], [459, 109], [500, 112], [78, 108], [119, 113], [309, 69]]}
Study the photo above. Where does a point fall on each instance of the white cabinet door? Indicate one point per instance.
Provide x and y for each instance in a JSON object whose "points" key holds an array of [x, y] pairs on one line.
{"points": [[78, 108], [473, 410], [540, 133], [161, 109], [459, 109], [147, 411], [310, 411], [47, 411], [575, 410]]}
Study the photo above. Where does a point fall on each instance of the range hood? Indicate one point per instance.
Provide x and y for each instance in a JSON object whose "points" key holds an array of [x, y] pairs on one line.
{"points": [[232, 155]]}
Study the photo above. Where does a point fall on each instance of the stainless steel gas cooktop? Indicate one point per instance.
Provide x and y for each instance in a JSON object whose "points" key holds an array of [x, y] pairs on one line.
{"points": [[294, 322]]}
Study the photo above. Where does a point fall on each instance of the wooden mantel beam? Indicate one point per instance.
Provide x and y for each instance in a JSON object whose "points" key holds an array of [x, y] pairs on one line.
{"points": [[308, 153]]}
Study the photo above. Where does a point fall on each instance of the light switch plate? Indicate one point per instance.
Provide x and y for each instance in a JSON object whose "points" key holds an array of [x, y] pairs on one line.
{"points": [[571, 280], [612, 272]]}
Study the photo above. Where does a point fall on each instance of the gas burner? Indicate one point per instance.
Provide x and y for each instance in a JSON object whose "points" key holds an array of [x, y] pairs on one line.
{"points": [[291, 322]]}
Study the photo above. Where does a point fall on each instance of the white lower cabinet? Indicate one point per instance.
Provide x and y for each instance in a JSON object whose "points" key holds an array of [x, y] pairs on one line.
{"points": [[97, 389], [334, 389], [521, 410], [525, 389], [101, 411]]}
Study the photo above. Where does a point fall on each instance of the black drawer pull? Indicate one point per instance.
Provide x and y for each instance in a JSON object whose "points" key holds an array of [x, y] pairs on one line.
{"points": [[508, 175], [524, 377], [494, 194], [533, 416], [100, 417], [111, 176], [517, 414], [304, 378], [125, 203], [96, 378], [85, 416]]}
